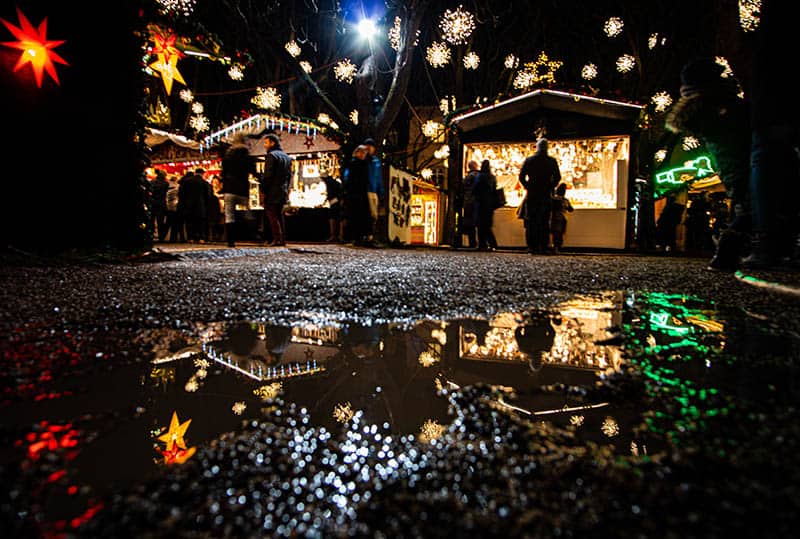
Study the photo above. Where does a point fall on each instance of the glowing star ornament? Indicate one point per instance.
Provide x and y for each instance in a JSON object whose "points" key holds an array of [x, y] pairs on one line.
{"points": [[168, 68], [174, 435], [35, 47], [541, 71]]}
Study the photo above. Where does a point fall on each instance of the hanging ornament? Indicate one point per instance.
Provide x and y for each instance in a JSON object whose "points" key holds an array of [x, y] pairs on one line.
{"points": [[472, 60], [199, 123], [662, 101], [613, 26], [625, 63], [176, 451], [345, 71], [426, 173], [35, 47], [457, 26], [589, 71], [186, 95], [236, 72], [438, 54], [267, 98], [197, 107], [293, 48], [511, 62], [167, 60]]}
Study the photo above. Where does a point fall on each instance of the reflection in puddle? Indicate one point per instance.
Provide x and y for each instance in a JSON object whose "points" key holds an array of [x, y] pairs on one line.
{"points": [[346, 377]]}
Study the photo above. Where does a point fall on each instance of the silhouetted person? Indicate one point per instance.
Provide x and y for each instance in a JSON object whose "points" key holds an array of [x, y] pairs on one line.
{"points": [[667, 225], [539, 175], [237, 165], [465, 206], [275, 187], [357, 213], [193, 200], [485, 201], [158, 204]]}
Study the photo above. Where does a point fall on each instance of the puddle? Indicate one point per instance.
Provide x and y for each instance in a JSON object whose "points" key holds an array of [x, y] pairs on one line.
{"points": [[103, 429]]}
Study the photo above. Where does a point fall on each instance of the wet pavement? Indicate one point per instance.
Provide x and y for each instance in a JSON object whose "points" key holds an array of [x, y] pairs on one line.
{"points": [[326, 390]]}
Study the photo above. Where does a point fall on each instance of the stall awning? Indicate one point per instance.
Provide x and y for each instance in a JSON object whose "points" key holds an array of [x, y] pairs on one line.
{"points": [[154, 137], [545, 100]]}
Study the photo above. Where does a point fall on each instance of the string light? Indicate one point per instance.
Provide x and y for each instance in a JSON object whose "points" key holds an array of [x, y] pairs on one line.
{"points": [[293, 48], [199, 123], [750, 14], [354, 117], [186, 95], [197, 107], [431, 128], [690, 143], [613, 27], [177, 7], [589, 71], [457, 26], [438, 54], [625, 63], [236, 72], [345, 71], [662, 101], [541, 71], [306, 66], [728, 72], [511, 62], [472, 60], [267, 98]]}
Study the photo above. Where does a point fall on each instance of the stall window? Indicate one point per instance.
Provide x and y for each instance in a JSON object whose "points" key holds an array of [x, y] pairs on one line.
{"points": [[588, 166]]}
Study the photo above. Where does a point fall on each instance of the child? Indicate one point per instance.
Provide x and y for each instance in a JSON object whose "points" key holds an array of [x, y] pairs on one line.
{"points": [[558, 216]]}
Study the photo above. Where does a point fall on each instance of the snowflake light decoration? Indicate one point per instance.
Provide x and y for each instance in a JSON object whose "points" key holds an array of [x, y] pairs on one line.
{"points": [[238, 408], [511, 62], [191, 385], [345, 71], [197, 107], [613, 26], [662, 101], [354, 117], [438, 54], [690, 143], [269, 391], [431, 128], [589, 71], [472, 60], [728, 72], [426, 173], [323, 118], [625, 63], [293, 48], [431, 431], [306, 66], [343, 412], [750, 14], [267, 98], [576, 420], [199, 123], [442, 153], [457, 26], [186, 95], [177, 7], [652, 41], [660, 155], [236, 72], [201, 363], [610, 427], [426, 359], [541, 71]]}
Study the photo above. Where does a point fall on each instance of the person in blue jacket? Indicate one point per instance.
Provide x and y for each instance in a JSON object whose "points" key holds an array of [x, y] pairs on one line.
{"points": [[374, 186]]}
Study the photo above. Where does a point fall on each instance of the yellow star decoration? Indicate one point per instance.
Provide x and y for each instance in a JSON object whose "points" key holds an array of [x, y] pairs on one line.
{"points": [[174, 436], [167, 66], [35, 47], [543, 69]]}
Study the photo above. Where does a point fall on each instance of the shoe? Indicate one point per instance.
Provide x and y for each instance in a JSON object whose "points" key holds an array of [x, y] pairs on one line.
{"points": [[729, 248]]}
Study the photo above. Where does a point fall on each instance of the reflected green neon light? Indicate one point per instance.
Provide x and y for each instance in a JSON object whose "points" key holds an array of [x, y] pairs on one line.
{"points": [[661, 320], [691, 170]]}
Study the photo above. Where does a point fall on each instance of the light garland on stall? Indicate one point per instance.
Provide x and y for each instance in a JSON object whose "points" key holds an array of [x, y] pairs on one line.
{"points": [[438, 54], [345, 71], [260, 121], [613, 26], [472, 60], [267, 98], [457, 26], [625, 63]]}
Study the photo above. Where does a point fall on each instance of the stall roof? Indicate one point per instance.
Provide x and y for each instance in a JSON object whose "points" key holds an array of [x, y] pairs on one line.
{"points": [[154, 137], [547, 100]]}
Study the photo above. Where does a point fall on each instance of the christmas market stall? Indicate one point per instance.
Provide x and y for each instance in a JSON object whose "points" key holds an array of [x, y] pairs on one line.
{"points": [[313, 148], [176, 155], [589, 137], [414, 209]]}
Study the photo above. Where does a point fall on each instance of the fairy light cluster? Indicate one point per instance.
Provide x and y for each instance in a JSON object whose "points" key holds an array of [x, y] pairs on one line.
{"points": [[238, 408], [177, 7], [541, 71], [511, 62], [750, 14], [613, 26], [662, 101], [186, 95], [306, 66], [728, 72], [197, 107], [267, 98], [457, 26], [199, 123], [626, 63], [236, 72], [438, 54], [589, 71], [431, 129], [426, 173], [293, 48], [472, 60], [345, 71]]}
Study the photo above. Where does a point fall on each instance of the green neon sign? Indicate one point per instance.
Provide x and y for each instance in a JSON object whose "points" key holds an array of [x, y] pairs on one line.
{"points": [[691, 170]]}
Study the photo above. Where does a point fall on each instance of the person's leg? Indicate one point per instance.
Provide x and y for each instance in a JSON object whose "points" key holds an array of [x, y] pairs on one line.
{"points": [[274, 213], [230, 218]]}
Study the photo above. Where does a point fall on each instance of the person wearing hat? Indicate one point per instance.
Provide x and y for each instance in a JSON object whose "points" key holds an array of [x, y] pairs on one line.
{"points": [[374, 186], [710, 109], [275, 187], [237, 165]]}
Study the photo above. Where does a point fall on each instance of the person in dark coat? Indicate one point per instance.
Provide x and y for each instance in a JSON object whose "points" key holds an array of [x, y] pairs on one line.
{"points": [[558, 217], [465, 205], [535, 339], [356, 185], [275, 187], [174, 218], [237, 165], [193, 200], [539, 175], [485, 186], [333, 192], [158, 204]]}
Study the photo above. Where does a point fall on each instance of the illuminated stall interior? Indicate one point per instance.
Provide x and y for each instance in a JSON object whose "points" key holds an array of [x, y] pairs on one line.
{"points": [[177, 155], [589, 137]]}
